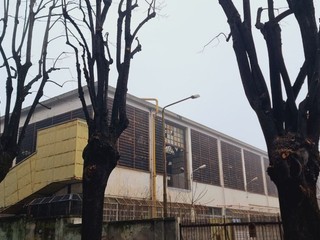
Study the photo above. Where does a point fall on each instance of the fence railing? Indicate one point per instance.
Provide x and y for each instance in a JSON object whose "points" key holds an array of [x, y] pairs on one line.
{"points": [[231, 231]]}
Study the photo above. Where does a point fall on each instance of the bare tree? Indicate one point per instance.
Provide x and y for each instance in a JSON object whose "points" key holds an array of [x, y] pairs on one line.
{"points": [[291, 129], [18, 48], [93, 64]]}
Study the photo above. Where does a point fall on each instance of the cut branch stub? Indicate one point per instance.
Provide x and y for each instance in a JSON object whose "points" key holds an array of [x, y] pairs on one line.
{"points": [[294, 158]]}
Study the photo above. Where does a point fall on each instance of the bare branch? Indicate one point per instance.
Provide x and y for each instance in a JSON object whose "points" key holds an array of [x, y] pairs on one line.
{"points": [[121, 16], [247, 13], [91, 24], [107, 4], [108, 49], [44, 74], [216, 38], [151, 14], [137, 49]]}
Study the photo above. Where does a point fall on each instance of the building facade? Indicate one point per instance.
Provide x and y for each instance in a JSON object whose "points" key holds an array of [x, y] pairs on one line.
{"points": [[209, 174]]}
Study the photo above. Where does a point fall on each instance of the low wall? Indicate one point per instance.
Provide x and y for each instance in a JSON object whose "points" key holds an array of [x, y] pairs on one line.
{"points": [[151, 229], [21, 228]]}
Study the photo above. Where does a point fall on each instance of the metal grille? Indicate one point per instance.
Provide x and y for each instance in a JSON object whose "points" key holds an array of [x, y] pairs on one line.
{"points": [[134, 141], [228, 230], [254, 175], [232, 166], [205, 151], [159, 146], [118, 209], [61, 205]]}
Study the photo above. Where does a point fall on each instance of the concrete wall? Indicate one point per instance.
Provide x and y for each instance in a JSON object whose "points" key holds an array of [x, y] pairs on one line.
{"points": [[14, 228], [151, 229], [24, 229]]}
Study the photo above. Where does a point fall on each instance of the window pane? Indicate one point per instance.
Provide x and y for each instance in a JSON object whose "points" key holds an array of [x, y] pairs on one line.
{"points": [[175, 153]]}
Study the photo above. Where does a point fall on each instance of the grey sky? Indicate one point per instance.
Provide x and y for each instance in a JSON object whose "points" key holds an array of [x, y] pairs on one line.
{"points": [[171, 66]]}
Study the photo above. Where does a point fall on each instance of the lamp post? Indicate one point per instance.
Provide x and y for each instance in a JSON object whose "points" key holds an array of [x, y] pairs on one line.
{"points": [[193, 218], [164, 154], [246, 186], [200, 167]]}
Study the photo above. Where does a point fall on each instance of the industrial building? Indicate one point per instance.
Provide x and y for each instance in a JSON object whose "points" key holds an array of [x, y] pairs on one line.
{"points": [[209, 174]]}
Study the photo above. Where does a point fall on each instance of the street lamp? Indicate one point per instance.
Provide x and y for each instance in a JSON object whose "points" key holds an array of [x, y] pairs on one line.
{"points": [[200, 167], [252, 180], [193, 193], [246, 186], [165, 203]]}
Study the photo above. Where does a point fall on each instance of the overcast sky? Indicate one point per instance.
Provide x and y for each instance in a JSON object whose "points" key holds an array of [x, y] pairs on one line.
{"points": [[173, 65]]}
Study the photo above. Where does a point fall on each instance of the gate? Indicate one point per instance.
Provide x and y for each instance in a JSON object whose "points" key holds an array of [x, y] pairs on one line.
{"points": [[232, 231]]}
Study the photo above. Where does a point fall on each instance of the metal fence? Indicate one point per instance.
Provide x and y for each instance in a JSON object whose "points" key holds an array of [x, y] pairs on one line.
{"points": [[231, 231]]}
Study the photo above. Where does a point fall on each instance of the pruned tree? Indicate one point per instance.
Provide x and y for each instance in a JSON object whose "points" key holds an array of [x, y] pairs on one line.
{"points": [[290, 128], [19, 47], [85, 32]]}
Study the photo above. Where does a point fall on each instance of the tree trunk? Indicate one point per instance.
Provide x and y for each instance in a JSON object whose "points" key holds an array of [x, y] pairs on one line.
{"points": [[294, 167], [6, 160], [8, 152], [100, 158]]}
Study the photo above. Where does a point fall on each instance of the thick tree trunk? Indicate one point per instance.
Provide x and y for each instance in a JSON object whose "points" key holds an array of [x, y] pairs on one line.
{"points": [[6, 160], [8, 152], [100, 158], [294, 167]]}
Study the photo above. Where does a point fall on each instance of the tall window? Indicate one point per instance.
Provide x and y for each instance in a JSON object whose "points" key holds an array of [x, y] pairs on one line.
{"points": [[134, 141], [232, 166], [205, 151], [175, 153], [253, 172]]}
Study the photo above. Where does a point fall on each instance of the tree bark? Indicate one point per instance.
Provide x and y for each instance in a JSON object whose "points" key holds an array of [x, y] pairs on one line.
{"points": [[294, 169], [100, 158], [17, 62], [105, 124], [291, 133], [8, 152]]}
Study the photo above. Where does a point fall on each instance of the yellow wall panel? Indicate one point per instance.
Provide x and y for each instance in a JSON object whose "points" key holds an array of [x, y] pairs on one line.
{"points": [[24, 192], [58, 157], [11, 199], [24, 181], [2, 195], [23, 169], [38, 185], [78, 171], [61, 173], [64, 159], [43, 176], [10, 184], [44, 163]]}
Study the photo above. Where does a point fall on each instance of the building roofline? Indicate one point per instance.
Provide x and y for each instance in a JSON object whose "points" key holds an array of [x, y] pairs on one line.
{"points": [[142, 102]]}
